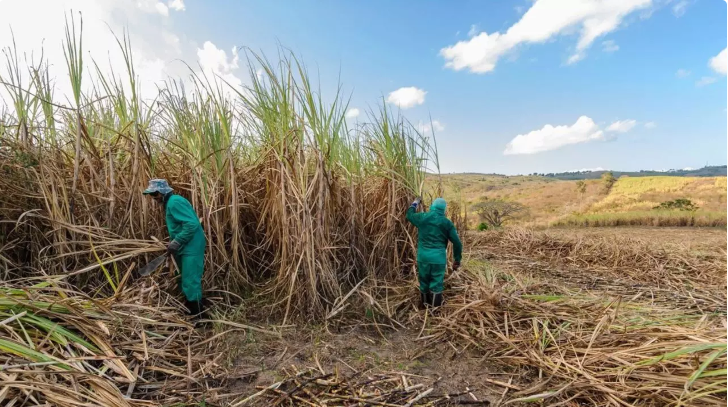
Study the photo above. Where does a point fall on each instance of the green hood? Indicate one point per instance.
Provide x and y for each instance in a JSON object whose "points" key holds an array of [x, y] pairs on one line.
{"points": [[439, 205]]}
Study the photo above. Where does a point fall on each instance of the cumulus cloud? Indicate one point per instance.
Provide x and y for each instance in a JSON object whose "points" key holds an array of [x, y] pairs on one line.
{"points": [[407, 97], [610, 46], [682, 73], [650, 125], [178, 5], [542, 22], [215, 63], [552, 137], [622, 126], [352, 113], [425, 128], [155, 44], [718, 62], [705, 80]]}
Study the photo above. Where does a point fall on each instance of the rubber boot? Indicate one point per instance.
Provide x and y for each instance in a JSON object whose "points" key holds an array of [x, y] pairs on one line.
{"points": [[436, 300], [428, 299], [194, 308], [423, 300]]}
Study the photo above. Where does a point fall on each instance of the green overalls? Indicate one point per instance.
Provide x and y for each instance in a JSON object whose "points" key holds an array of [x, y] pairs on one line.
{"points": [[434, 231], [184, 227]]}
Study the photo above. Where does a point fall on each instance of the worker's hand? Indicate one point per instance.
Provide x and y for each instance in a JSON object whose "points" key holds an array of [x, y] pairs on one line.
{"points": [[173, 247], [455, 266], [416, 202]]}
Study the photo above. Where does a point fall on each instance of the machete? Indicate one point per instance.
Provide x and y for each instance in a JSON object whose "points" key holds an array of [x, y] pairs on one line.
{"points": [[152, 265]]}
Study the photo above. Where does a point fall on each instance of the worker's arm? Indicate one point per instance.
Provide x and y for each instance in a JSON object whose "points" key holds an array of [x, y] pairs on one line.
{"points": [[412, 216], [457, 246], [183, 212]]}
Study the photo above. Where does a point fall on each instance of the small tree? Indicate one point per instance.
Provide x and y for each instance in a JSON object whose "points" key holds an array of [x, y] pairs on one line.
{"points": [[608, 181], [581, 186], [680, 204], [581, 190], [497, 211]]}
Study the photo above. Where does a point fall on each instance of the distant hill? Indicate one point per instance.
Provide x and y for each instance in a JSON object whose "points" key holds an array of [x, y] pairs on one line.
{"points": [[713, 171], [550, 199]]}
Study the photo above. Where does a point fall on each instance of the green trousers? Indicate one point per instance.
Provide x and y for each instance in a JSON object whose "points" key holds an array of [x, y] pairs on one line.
{"points": [[191, 268], [431, 277]]}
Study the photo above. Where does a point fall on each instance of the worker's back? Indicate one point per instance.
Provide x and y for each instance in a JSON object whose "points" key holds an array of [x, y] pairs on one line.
{"points": [[183, 223], [432, 237], [434, 230]]}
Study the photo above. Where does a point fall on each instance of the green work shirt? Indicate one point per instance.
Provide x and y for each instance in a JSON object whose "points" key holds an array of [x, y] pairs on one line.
{"points": [[184, 226], [434, 230]]}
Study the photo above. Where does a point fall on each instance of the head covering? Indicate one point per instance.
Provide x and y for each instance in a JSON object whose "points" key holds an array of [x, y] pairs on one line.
{"points": [[158, 185], [439, 204]]}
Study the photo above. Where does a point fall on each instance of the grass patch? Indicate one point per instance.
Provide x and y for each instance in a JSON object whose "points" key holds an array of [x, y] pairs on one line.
{"points": [[645, 218]]}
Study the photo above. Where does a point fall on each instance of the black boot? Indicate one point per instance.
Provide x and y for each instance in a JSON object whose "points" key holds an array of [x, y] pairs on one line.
{"points": [[436, 300], [423, 300], [194, 308], [428, 299]]}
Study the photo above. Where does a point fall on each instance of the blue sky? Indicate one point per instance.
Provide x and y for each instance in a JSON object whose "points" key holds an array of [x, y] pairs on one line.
{"points": [[515, 87]]}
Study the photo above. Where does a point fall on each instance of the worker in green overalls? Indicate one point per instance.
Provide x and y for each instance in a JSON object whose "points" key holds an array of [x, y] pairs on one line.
{"points": [[434, 231], [187, 241]]}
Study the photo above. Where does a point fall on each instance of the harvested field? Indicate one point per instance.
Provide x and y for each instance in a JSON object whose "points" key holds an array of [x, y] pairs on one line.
{"points": [[513, 332]]}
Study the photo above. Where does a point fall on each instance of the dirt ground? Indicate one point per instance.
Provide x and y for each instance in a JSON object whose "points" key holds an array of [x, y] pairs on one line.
{"points": [[261, 360]]}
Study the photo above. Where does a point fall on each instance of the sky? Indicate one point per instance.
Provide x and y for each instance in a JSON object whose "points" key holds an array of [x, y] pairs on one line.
{"points": [[511, 87]]}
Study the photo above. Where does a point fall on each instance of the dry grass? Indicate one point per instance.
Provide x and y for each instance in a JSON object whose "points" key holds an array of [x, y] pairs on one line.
{"points": [[604, 322], [60, 347], [636, 262], [644, 218]]}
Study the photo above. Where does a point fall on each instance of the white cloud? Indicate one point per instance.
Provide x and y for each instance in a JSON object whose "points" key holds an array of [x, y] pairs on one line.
{"points": [[153, 6], [610, 46], [543, 21], [216, 64], [178, 5], [155, 44], [407, 97], [425, 128], [519, 9], [705, 80], [575, 58], [162, 9], [473, 30], [595, 169], [550, 137], [622, 126], [679, 9], [682, 73], [718, 62], [650, 125], [352, 113]]}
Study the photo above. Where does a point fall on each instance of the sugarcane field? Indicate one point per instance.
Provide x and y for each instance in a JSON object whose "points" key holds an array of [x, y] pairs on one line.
{"points": [[244, 230]]}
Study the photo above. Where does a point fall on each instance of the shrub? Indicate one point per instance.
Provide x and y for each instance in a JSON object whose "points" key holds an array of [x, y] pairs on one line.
{"points": [[680, 204], [482, 226]]}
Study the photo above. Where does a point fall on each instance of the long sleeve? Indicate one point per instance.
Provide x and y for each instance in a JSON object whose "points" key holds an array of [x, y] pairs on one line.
{"points": [[457, 245], [413, 217], [183, 213]]}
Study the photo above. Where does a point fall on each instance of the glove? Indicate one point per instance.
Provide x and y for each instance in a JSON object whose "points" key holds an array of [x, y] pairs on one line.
{"points": [[455, 265], [173, 247], [416, 202]]}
